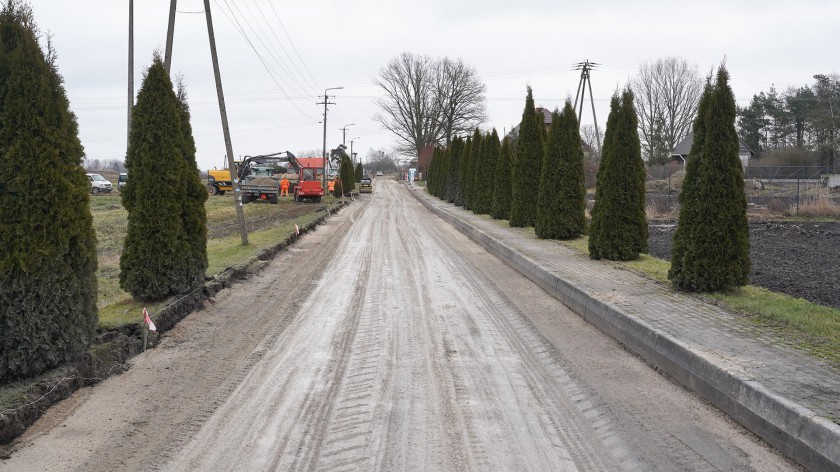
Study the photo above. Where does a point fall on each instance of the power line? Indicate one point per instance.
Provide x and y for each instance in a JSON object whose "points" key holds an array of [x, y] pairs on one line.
{"points": [[271, 74], [293, 45]]}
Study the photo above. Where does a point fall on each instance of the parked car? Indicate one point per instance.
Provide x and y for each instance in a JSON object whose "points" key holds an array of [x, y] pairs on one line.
{"points": [[379, 173], [121, 180], [99, 184]]}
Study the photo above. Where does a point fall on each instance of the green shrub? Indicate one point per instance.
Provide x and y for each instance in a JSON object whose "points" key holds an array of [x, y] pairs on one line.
{"points": [[156, 257], [502, 195], [527, 167], [561, 200], [711, 244], [48, 258], [619, 226]]}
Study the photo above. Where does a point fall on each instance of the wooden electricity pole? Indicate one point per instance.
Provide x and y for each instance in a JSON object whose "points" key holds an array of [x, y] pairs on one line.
{"points": [[170, 35], [585, 68], [130, 70], [234, 177]]}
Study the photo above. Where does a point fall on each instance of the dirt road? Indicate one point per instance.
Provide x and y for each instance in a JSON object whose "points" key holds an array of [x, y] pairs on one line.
{"points": [[387, 341]]}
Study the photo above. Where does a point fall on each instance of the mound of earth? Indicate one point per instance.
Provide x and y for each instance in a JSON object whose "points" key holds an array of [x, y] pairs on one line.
{"points": [[797, 258]]}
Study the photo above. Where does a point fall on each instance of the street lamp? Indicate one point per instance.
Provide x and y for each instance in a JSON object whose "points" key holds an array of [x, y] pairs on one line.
{"points": [[325, 103], [344, 133]]}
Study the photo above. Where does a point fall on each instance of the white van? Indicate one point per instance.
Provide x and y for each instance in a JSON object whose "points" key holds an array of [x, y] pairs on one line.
{"points": [[99, 184]]}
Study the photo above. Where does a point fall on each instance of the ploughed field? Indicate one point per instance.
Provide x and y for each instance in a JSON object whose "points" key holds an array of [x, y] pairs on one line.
{"points": [[799, 258]]}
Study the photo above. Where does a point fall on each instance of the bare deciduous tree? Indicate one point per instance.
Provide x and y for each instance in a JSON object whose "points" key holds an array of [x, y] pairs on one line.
{"points": [[667, 92], [460, 99], [428, 101]]}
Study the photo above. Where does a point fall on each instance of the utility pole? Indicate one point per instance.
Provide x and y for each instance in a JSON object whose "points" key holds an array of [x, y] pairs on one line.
{"points": [[585, 68], [170, 35], [234, 177], [352, 154], [130, 71], [325, 103], [344, 133]]}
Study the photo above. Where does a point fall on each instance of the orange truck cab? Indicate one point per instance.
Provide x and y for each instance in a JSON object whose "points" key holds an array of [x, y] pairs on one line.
{"points": [[311, 172]]}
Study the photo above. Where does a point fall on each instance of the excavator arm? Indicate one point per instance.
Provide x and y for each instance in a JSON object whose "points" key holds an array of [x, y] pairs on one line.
{"points": [[284, 158]]}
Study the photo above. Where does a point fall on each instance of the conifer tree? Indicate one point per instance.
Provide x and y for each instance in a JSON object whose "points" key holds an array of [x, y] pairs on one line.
{"points": [[156, 258], [430, 179], [470, 192], [502, 195], [463, 164], [527, 168], [454, 154], [360, 171], [347, 175], [619, 227], [711, 245], [486, 173], [445, 169], [194, 196], [562, 194], [48, 259]]}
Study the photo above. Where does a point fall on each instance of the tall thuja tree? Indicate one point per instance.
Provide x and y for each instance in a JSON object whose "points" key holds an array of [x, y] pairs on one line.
{"points": [[463, 164], [359, 171], [450, 184], [502, 195], [155, 261], [619, 227], [562, 195], [348, 176], [527, 167], [193, 213], [713, 254], [486, 173], [472, 165], [48, 261], [603, 188], [431, 180], [444, 175]]}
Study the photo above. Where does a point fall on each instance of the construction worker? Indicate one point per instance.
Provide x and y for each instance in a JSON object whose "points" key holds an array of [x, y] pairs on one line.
{"points": [[331, 186], [284, 187]]}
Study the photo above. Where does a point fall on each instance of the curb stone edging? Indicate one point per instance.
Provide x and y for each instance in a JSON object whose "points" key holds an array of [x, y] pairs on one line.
{"points": [[811, 440], [126, 342]]}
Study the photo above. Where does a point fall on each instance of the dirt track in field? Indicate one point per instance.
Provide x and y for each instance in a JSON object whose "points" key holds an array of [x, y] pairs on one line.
{"points": [[386, 340]]}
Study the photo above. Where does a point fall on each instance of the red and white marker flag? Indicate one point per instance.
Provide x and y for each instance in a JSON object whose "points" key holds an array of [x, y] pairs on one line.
{"points": [[297, 230], [148, 320]]}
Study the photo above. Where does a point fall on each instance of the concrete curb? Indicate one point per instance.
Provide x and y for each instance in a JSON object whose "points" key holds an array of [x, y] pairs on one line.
{"points": [[796, 431]]}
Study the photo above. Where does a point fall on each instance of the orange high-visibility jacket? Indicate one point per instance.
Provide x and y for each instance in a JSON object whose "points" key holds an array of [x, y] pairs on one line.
{"points": [[284, 184], [331, 185]]}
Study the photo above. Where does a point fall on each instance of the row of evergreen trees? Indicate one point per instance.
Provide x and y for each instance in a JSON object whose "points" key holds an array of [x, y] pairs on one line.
{"points": [[541, 185], [48, 287]]}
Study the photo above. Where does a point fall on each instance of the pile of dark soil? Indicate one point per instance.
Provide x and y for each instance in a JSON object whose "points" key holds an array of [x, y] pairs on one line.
{"points": [[798, 258]]}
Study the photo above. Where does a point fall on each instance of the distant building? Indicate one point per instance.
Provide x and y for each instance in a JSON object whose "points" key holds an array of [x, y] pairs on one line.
{"points": [[680, 152]]}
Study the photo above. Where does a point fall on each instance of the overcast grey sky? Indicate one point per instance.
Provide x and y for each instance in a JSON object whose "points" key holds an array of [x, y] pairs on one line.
{"points": [[512, 44]]}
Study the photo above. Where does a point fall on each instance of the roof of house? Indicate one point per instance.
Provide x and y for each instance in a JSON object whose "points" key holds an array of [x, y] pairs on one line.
{"points": [[547, 120], [684, 147]]}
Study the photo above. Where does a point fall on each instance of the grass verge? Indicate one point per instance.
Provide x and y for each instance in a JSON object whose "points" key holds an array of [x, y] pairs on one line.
{"points": [[802, 324]]}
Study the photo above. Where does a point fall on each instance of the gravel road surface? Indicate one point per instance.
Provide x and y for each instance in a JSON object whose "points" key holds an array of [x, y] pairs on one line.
{"points": [[386, 340]]}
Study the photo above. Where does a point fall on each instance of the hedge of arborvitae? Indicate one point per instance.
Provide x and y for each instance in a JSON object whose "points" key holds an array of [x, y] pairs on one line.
{"points": [[156, 260], [485, 173], [527, 167], [359, 171], [48, 257], [195, 194], [502, 193], [711, 244], [431, 176], [461, 173], [561, 202], [347, 176], [619, 228], [453, 156]]}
